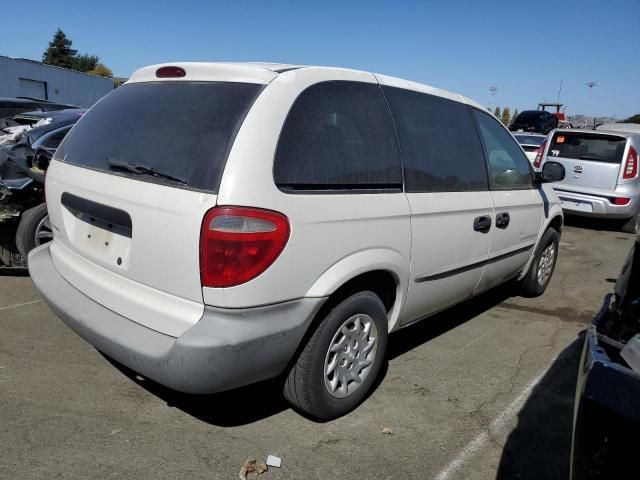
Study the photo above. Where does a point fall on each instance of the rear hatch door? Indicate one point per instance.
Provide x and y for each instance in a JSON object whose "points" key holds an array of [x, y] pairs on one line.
{"points": [[129, 188], [591, 160]]}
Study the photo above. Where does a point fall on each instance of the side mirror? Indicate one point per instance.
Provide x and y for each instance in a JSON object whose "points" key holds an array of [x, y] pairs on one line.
{"points": [[551, 172]]}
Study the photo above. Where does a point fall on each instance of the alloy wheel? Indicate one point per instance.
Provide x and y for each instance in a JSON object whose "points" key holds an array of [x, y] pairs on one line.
{"points": [[351, 354], [44, 233], [545, 266]]}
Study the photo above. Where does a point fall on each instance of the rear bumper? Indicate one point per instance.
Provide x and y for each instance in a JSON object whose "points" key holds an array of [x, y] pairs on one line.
{"points": [[587, 205], [225, 349]]}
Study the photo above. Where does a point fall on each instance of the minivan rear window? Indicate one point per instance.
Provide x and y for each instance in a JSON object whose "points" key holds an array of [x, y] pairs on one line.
{"points": [[173, 133], [587, 146]]}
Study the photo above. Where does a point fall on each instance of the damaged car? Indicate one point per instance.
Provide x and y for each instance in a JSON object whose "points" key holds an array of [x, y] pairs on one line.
{"points": [[10, 106], [12, 128], [607, 406], [24, 159]]}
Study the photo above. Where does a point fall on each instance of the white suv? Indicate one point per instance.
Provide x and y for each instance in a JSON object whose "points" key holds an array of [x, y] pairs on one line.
{"points": [[220, 224]]}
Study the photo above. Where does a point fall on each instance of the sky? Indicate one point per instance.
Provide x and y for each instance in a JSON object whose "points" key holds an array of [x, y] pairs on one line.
{"points": [[524, 49]]}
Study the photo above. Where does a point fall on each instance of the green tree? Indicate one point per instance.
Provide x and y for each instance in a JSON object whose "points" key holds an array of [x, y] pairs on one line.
{"points": [[633, 119], [496, 112], [59, 52], [102, 71], [84, 63], [506, 116], [515, 115]]}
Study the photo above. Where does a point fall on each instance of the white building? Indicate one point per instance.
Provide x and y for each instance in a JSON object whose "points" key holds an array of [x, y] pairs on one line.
{"points": [[20, 77]]}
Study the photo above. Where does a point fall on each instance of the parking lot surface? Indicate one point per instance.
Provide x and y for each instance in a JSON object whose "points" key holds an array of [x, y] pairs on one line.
{"points": [[482, 391]]}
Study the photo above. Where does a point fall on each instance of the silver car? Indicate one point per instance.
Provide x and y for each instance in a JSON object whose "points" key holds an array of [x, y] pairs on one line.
{"points": [[601, 174], [533, 146]]}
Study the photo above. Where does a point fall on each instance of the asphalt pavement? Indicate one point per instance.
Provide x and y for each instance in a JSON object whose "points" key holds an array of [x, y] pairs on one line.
{"points": [[482, 391]]}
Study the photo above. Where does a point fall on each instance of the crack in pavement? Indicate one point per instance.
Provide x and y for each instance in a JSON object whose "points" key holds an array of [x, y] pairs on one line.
{"points": [[18, 305], [477, 414]]}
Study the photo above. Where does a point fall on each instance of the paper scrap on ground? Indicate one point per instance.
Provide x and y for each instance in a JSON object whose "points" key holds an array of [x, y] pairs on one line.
{"points": [[273, 461]]}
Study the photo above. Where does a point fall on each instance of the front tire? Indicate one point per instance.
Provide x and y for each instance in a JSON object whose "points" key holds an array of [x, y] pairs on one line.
{"points": [[338, 366], [34, 229], [543, 265]]}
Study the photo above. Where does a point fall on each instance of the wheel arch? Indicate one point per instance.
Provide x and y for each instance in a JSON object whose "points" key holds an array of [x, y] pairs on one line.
{"points": [[556, 223], [382, 271]]}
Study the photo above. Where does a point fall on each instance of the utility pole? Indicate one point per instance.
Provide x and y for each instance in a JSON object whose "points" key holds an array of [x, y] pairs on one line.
{"points": [[492, 92], [589, 84], [559, 91]]}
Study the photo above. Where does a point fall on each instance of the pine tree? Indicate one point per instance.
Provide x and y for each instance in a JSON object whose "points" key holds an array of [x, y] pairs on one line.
{"points": [[496, 112], [506, 116], [86, 62], [515, 115], [59, 52]]}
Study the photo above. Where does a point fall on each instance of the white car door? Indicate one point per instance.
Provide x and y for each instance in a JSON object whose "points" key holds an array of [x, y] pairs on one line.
{"points": [[451, 207], [518, 204]]}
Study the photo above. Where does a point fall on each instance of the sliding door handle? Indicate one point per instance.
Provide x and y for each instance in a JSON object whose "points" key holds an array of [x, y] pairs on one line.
{"points": [[502, 220], [482, 224]]}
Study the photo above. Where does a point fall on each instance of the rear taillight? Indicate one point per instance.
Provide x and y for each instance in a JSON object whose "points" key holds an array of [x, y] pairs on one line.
{"points": [[539, 153], [631, 164], [238, 244], [621, 201]]}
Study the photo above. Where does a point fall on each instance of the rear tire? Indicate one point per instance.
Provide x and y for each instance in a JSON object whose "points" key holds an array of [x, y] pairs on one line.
{"points": [[10, 258], [9, 255], [544, 263], [349, 343], [632, 225], [30, 233]]}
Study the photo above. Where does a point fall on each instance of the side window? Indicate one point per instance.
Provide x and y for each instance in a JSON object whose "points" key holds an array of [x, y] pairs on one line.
{"points": [[508, 165], [440, 146], [338, 135]]}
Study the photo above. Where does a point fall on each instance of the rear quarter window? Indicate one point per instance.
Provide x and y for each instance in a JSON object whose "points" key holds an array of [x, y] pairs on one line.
{"points": [[182, 130], [586, 146], [338, 135]]}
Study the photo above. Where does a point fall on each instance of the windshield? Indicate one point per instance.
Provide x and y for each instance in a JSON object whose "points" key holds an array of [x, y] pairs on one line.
{"points": [[586, 146], [530, 139], [181, 130]]}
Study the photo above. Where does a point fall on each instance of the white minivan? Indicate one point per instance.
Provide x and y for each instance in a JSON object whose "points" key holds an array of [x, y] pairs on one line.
{"points": [[219, 224]]}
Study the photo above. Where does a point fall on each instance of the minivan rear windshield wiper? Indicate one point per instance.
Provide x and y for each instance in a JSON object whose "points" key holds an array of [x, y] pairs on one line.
{"points": [[141, 170]]}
